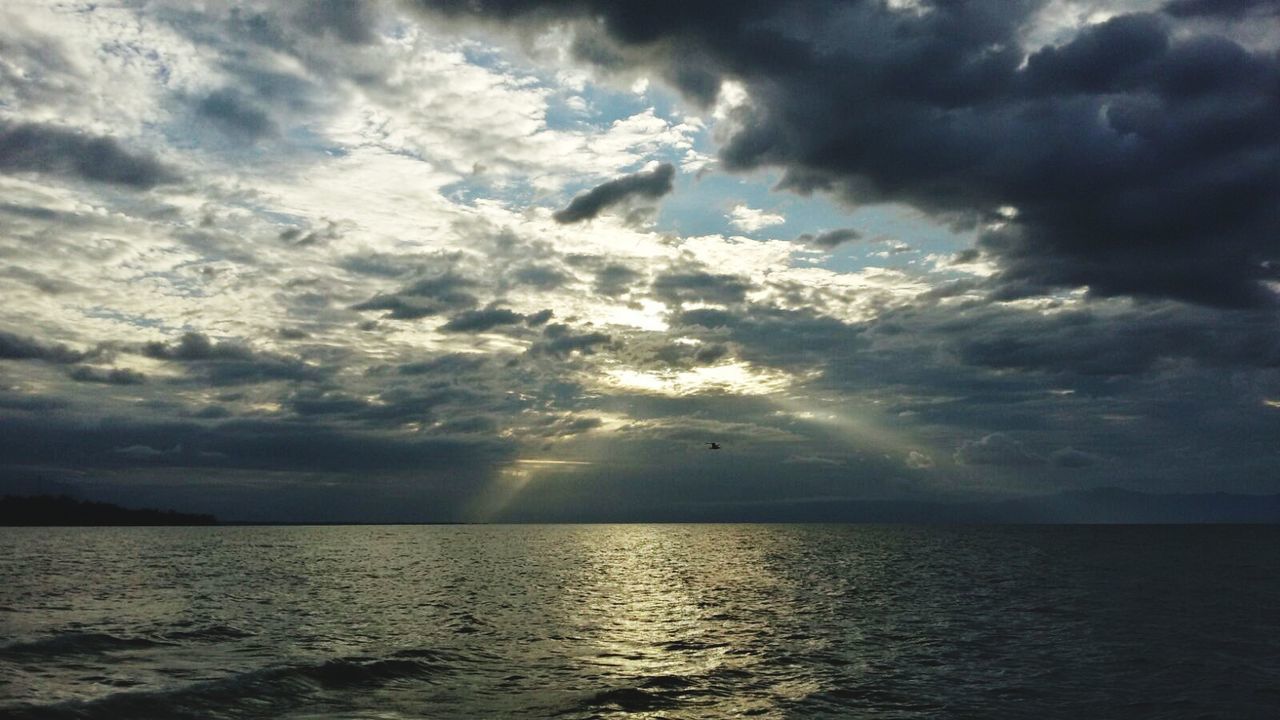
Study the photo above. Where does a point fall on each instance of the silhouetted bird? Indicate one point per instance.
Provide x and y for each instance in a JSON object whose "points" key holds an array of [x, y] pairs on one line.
{"points": [[713, 446]]}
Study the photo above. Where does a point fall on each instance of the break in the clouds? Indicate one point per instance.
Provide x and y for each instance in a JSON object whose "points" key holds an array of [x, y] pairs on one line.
{"points": [[522, 260], [1138, 154]]}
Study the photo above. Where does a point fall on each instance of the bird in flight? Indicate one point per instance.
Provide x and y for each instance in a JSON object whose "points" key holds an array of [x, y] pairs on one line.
{"points": [[713, 446]]}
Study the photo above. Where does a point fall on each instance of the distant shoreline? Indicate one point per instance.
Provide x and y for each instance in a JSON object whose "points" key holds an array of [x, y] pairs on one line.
{"points": [[66, 511], [1100, 506]]}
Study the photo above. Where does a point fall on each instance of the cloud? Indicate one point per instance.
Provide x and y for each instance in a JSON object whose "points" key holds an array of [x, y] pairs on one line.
{"points": [[831, 239], [1131, 342], [481, 320], [230, 363], [350, 21], [540, 277], [1223, 8], [43, 283], [1071, 458], [1139, 152], [425, 297], [296, 237], [449, 365], [651, 185], [17, 347], [749, 219], [613, 279], [196, 346], [236, 116], [109, 376], [625, 343], [32, 147], [559, 340], [539, 318], [677, 287], [146, 452], [995, 449]]}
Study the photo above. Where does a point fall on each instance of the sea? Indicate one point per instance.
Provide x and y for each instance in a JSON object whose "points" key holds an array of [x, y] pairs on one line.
{"points": [[647, 621]]}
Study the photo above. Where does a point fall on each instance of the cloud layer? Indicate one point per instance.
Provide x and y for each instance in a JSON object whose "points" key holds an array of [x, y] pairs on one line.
{"points": [[486, 260], [1140, 156]]}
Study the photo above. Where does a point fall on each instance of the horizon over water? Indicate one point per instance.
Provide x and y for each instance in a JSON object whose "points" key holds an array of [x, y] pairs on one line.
{"points": [[640, 620]]}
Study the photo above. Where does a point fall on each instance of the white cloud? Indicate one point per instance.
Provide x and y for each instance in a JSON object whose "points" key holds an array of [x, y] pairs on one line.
{"points": [[749, 219]]}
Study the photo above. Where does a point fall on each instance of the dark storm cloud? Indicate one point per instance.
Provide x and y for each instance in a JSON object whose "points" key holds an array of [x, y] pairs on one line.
{"points": [[235, 115], [347, 20], [297, 237], [677, 287], [830, 239], [710, 354], [373, 264], [1143, 158], [396, 308], [995, 449], [614, 280], [566, 426], [1086, 342], [32, 147], [109, 376], [650, 185], [400, 405], [244, 444], [481, 320], [196, 346], [18, 347], [425, 297], [785, 339], [450, 365], [540, 277], [559, 340], [1221, 8], [679, 355], [1071, 458], [539, 318], [230, 363], [322, 402]]}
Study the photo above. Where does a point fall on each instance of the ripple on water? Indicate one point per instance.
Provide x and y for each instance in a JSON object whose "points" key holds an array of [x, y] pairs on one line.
{"points": [[657, 621]]}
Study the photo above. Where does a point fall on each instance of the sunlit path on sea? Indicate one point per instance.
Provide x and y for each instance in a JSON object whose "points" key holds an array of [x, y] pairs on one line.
{"points": [[676, 621]]}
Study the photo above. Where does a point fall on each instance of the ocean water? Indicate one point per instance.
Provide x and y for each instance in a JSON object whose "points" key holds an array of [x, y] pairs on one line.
{"points": [[673, 621]]}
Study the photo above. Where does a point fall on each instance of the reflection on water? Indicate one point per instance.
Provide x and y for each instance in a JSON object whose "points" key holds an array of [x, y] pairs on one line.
{"points": [[639, 620]]}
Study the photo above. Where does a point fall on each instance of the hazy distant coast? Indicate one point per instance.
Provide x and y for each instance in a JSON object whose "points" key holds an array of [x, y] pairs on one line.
{"points": [[44, 510]]}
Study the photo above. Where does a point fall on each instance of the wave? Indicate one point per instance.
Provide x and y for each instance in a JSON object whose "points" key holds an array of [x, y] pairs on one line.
{"points": [[655, 692], [210, 633], [77, 644], [97, 643], [258, 693], [630, 700]]}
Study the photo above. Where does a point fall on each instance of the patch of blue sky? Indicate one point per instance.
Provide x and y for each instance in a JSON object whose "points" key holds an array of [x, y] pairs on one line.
{"points": [[704, 206], [513, 192], [484, 55], [595, 106]]}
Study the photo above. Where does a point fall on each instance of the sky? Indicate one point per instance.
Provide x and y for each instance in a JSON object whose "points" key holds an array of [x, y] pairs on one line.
{"points": [[505, 260]]}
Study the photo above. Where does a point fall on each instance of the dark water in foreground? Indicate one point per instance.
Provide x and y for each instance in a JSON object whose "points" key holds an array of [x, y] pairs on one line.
{"points": [[641, 620]]}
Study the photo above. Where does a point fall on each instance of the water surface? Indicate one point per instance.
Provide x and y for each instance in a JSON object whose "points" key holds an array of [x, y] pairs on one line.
{"points": [[676, 621]]}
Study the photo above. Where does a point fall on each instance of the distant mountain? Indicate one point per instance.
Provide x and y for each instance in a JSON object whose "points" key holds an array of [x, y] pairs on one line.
{"points": [[63, 510]]}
